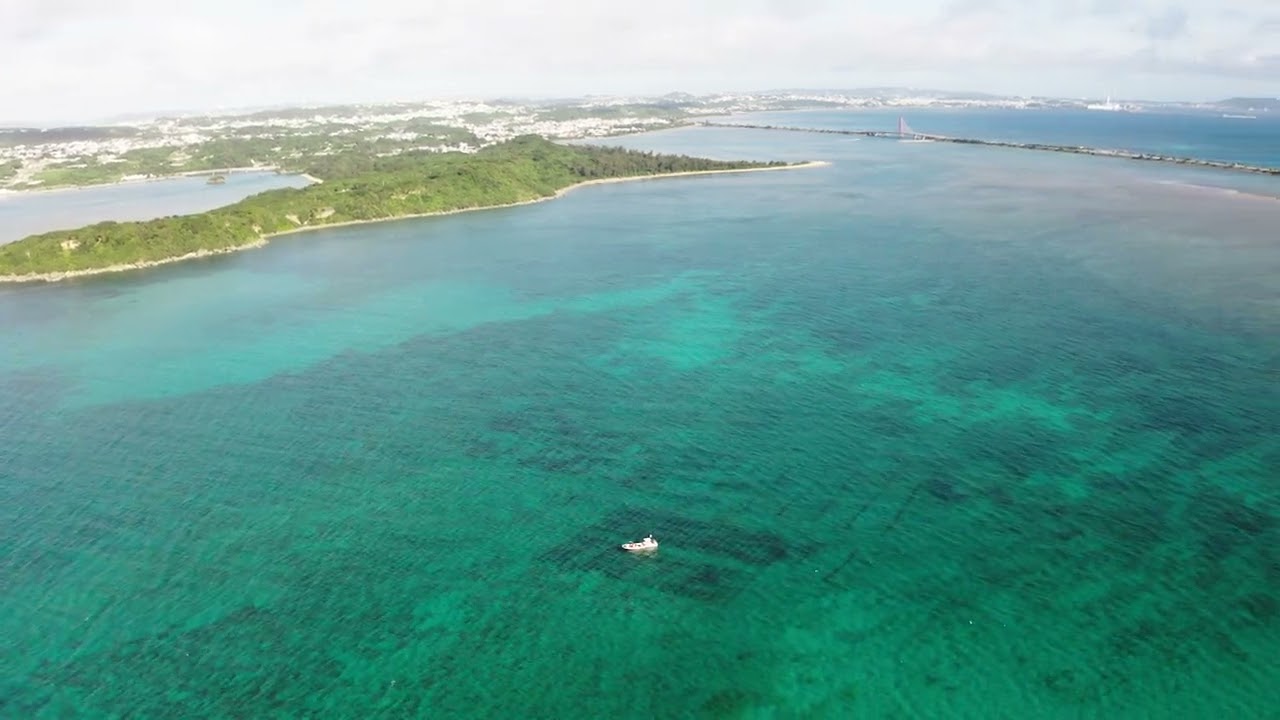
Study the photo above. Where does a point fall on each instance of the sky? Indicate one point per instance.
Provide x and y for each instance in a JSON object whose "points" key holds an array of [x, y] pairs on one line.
{"points": [[88, 60]]}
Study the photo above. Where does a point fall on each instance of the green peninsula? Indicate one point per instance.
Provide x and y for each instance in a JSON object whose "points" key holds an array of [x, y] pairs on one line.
{"points": [[355, 187]]}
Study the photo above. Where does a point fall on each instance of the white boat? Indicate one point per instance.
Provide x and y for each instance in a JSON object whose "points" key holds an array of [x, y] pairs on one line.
{"points": [[648, 543]]}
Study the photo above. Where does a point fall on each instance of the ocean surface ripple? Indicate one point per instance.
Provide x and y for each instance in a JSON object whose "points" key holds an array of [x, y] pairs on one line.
{"points": [[929, 432]]}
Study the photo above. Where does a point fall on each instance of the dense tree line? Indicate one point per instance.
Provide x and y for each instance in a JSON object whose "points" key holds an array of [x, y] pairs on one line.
{"points": [[357, 186]]}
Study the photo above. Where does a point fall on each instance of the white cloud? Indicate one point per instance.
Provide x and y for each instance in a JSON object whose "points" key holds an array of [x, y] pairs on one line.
{"points": [[79, 59]]}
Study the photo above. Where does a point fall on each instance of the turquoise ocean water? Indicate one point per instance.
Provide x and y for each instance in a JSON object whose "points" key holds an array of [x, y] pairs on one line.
{"points": [[1206, 136], [934, 431]]}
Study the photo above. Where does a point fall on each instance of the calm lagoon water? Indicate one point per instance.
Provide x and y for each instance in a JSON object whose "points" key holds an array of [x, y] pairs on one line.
{"points": [[1252, 141], [930, 432], [29, 213]]}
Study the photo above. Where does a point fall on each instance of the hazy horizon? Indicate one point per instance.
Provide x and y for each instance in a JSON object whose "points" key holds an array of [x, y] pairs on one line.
{"points": [[145, 114], [85, 63]]}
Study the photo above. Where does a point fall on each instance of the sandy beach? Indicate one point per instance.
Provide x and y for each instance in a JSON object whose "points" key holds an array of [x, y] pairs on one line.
{"points": [[261, 241], [558, 194]]}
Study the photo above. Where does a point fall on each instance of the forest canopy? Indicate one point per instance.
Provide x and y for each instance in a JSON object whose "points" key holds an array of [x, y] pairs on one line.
{"points": [[356, 186]]}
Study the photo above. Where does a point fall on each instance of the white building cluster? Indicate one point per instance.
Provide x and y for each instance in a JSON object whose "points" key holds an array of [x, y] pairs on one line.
{"points": [[409, 124]]}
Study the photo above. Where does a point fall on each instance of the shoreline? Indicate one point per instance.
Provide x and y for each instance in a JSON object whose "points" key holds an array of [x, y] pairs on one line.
{"points": [[262, 240], [1037, 146], [10, 192], [558, 194]]}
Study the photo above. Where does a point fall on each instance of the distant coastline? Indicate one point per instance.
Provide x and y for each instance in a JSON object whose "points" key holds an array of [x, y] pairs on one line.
{"points": [[263, 239], [1046, 147], [11, 192]]}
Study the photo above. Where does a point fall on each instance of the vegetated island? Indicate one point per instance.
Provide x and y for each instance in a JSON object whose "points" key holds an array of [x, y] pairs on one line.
{"points": [[356, 188]]}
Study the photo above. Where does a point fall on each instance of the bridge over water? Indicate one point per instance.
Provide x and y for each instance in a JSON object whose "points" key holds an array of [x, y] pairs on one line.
{"points": [[905, 133]]}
